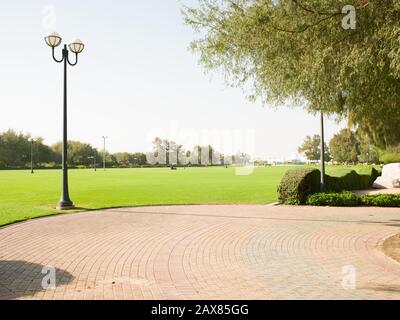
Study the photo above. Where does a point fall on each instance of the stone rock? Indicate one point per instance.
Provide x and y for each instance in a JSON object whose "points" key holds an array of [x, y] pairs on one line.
{"points": [[390, 177]]}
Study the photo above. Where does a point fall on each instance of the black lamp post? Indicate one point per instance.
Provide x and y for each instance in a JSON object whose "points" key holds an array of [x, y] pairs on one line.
{"points": [[94, 162], [32, 156], [323, 184], [53, 40]]}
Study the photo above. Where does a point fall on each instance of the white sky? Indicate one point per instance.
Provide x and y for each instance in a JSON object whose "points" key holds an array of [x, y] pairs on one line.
{"points": [[135, 78]]}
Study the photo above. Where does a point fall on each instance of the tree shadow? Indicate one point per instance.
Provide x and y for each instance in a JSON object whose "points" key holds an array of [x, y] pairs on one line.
{"points": [[396, 225], [22, 278], [384, 223], [385, 288]]}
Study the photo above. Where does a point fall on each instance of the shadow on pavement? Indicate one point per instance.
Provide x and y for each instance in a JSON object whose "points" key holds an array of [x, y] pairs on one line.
{"points": [[22, 278]]}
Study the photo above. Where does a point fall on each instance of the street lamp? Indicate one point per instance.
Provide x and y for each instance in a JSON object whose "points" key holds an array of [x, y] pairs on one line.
{"points": [[94, 162], [104, 152], [53, 40], [32, 142], [323, 183]]}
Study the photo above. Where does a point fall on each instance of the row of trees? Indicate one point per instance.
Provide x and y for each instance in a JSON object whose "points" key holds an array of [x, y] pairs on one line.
{"points": [[16, 149], [345, 147]]}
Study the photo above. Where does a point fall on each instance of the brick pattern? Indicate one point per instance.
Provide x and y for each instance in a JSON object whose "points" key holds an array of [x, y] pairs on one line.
{"points": [[202, 252]]}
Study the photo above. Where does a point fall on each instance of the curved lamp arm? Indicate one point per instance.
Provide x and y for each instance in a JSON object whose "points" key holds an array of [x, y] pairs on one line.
{"points": [[54, 57], [76, 60]]}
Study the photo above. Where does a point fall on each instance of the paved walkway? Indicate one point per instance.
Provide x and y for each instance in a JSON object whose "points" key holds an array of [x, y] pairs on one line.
{"points": [[203, 252]]}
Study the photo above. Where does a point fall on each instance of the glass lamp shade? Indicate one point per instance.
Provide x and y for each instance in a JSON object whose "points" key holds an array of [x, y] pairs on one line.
{"points": [[53, 39], [76, 46]]}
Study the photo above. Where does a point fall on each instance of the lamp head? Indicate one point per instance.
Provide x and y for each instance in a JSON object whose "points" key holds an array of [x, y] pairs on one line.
{"points": [[53, 39], [76, 46]]}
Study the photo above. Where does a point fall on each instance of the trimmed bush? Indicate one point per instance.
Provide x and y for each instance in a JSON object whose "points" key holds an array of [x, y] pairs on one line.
{"points": [[381, 200], [351, 181], [342, 199], [390, 157], [297, 184], [348, 199]]}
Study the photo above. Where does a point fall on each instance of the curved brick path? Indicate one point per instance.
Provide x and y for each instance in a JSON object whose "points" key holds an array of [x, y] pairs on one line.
{"points": [[202, 252]]}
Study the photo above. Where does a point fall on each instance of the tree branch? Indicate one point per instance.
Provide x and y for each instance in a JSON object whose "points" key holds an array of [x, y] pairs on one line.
{"points": [[312, 11]]}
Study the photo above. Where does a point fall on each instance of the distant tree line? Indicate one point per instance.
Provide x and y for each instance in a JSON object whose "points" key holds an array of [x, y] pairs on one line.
{"points": [[16, 149], [349, 147], [166, 152]]}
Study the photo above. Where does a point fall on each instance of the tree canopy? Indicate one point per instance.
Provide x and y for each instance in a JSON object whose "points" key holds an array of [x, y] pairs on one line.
{"points": [[344, 146], [78, 152], [291, 51], [15, 149], [311, 148]]}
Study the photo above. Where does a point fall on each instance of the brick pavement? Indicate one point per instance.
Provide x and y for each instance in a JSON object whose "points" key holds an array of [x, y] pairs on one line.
{"points": [[203, 252]]}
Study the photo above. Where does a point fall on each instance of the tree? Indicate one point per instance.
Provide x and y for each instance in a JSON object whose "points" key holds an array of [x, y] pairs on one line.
{"points": [[42, 153], [123, 159], [15, 149], [298, 51], [126, 159], [139, 158], [78, 153], [311, 148], [344, 146], [368, 152]]}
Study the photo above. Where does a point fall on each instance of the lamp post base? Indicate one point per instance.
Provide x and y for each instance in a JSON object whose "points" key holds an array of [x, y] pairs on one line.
{"points": [[65, 205]]}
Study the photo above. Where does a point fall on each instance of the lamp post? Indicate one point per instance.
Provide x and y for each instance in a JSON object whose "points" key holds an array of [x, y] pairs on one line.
{"points": [[94, 162], [32, 141], [53, 40], [104, 152], [323, 184]]}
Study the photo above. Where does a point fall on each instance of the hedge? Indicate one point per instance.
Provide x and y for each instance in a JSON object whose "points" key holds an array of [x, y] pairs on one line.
{"points": [[390, 157], [348, 199], [351, 181], [298, 184], [381, 200]]}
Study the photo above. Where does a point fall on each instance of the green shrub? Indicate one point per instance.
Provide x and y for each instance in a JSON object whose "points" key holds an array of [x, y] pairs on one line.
{"points": [[348, 199], [342, 199], [390, 157], [351, 181], [381, 200], [297, 184]]}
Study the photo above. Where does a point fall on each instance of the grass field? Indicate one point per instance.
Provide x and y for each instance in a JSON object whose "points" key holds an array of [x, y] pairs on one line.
{"points": [[24, 196]]}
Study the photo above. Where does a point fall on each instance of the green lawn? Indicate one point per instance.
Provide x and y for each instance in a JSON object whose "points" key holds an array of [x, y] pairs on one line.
{"points": [[24, 196]]}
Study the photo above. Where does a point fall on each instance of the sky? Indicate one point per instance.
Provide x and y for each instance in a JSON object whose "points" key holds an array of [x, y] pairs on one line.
{"points": [[135, 80]]}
